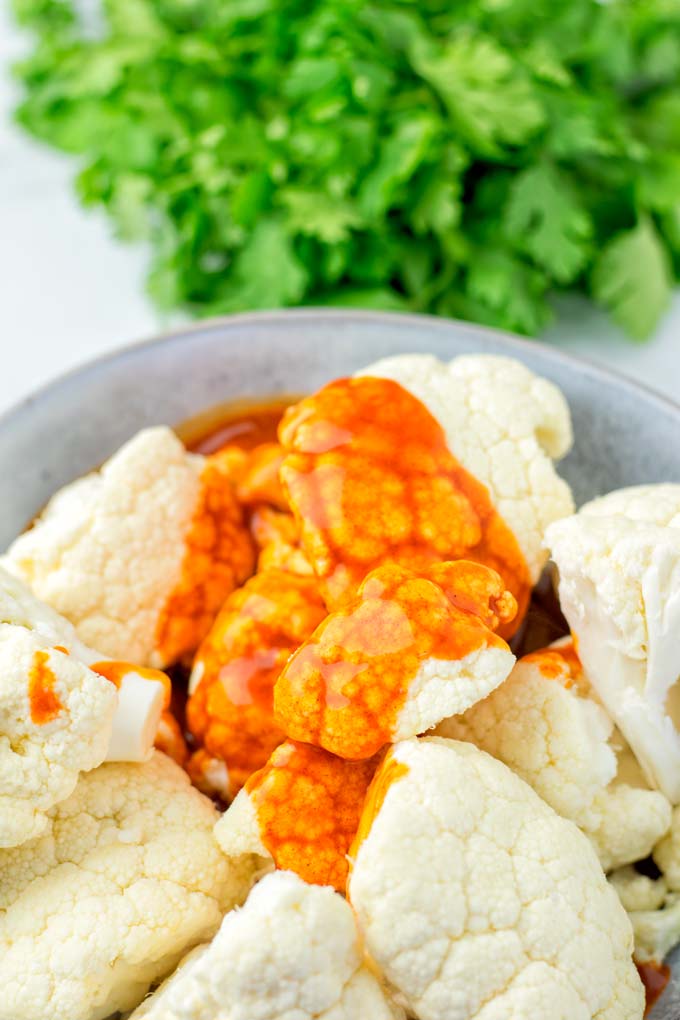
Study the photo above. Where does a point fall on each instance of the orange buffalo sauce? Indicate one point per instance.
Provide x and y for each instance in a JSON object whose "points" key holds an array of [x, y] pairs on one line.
{"points": [[655, 977], [115, 672], [219, 556], [45, 704], [371, 480], [390, 772], [242, 423], [561, 663], [230, 714], [308, 806], [344, 689]]}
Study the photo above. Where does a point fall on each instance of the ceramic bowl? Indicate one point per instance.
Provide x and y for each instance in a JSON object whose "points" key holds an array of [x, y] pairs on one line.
{"points": [[624, 434]]}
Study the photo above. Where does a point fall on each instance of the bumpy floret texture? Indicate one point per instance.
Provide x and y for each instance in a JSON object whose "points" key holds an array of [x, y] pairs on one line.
{"points": [[127, 878], [56, 715], [290, 954], [651, 504], [477, 901], [619, 587], [140, 555], [545, 723], [505, 425]]}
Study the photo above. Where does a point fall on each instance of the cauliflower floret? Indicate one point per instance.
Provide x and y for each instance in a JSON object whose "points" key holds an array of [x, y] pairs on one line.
{"points": [[140, 556], [299, 813], [545, 723], [230, 711], [56, 715], [127, 878], [638, 892], [370, 436], [650, 504], [656, 931], [619, 587], [477, 901], [406, 653], [505, 425], [290, 954]]}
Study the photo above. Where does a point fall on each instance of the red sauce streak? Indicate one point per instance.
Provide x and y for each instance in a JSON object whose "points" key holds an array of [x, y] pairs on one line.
{"points": [[309, 805], [344, 689], [44, 701], [230, 714], [655, 977], [371, 480]]}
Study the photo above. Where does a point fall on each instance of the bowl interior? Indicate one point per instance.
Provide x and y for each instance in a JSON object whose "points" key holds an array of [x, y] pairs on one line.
{"points": [[624, 434]]}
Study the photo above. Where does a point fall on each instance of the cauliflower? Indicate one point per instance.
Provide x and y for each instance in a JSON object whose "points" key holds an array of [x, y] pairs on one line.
{"points": [[127, 878], [290, 954], [650, 504], [638, 892], [545, 724], [406, 653], [140, 556], [656, 931], [277, 537], [374, 478], [619, 587], [505, 425], [477, 901], [230, 711], [299, 813], [59, 716]]}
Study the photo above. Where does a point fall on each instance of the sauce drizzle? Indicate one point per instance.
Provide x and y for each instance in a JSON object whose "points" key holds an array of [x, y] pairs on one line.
{"points": [[371, 480], [308, 806], [45, 704]]}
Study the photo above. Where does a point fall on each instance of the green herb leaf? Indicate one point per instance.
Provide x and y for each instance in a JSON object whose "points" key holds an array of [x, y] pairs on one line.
{"points": [[632, 279]]}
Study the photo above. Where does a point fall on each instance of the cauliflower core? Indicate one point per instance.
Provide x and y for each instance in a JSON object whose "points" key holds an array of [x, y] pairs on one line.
{"points": [[619, 587], [477, 901], [290, 954], [505, 426], [406, 653], [127, 878], [140, 556], [545, 723], [231, 709], [371, 480], [301, 813]]}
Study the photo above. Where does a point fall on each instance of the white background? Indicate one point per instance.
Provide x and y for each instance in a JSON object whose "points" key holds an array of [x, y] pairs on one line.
{"points": [[69, 291]]}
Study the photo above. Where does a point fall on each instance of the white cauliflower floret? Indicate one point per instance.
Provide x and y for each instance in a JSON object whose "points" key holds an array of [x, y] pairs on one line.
{"points": [[619, 587], [477, 901], [505, 425], [126, 880], [656, 931], [56, 715], [59, 716], [651, 504], [140, 555], [545, 723], [638, 892], [290, 954]]}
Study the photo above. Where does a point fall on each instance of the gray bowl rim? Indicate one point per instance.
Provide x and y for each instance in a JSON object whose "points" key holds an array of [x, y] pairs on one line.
{"points": [[182, 333]]}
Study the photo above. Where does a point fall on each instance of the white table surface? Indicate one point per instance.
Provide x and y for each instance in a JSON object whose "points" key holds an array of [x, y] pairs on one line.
{"points": [[70, 292]]}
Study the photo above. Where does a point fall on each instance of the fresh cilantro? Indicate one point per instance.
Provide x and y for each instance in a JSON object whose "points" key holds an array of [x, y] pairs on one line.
{"points": [[466, 158]]}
